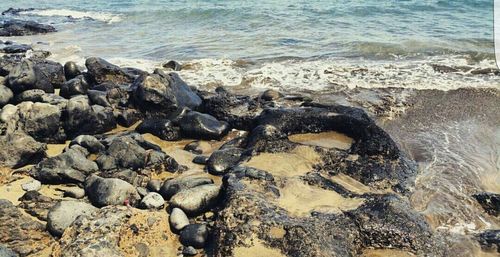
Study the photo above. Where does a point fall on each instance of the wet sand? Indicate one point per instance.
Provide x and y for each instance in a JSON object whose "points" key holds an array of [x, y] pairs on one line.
{"points": [[386, 253], [257, 249], [330, 139]]}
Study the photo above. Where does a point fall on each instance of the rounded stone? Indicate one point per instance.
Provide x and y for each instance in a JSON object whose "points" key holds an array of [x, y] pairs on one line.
{"points": [[33, 185], [152, 201], [194, 235], [178, 220]]}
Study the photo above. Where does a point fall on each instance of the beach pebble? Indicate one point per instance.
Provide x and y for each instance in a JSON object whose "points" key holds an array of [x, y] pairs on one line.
{"points": [[91, 143], [222, 160], [33, 185], [5, 95], [152, 201], [189, 251], [178, 220], [194, 235], [197, 199], [270, 95], [154, 185], [203, 126], [71, 70], [173, 186], [200, 159], [110, 191], [74, 192], [198, 147], [161, 128], [64, 213]]}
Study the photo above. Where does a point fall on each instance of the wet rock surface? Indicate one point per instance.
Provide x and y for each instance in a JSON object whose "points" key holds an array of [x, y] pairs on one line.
{"points": [[23, 28]]}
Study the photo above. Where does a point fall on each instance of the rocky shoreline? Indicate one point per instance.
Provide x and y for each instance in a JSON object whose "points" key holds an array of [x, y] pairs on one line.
{"points": [[150, 166]]}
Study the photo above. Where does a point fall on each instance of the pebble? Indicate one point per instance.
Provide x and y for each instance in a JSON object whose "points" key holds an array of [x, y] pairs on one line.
{"points": [[178, 220], [33, 185], [189, 251], [152, 201], [200, 159], [196, 199], [154, 185], [194, 235], [74, 192]]}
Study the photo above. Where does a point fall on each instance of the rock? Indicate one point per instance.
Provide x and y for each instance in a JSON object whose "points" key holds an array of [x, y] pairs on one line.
{"points": [[143, 191], [178, 220], [163, 93], [75, 86], [490, 202], [490, 239], [23, 28], [154, 185], [54, 71], [91, 143], [12, 49], [127, 117], [20, 233], [98, 97], [5, 95], [202, 126], [39, 120], [38, 95], [161, 128], [152, 201], [110, 191], [102, 71], [71, 70], [6, 252], [126, 153], [198, 147], [82, 118], [7, 64], [69, 167], [74, 192], [118, 231], [189, 251], [197, 199], [64, 213], [200, 159], [172, 65], [270, 95], [175, 185], [222, 160], [33, 185], [18, 149], [194, 235], [28, 75], [36, 204]]}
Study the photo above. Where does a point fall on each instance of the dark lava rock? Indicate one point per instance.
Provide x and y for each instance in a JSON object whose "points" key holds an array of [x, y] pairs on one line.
{"points": [[194, 235], [125, 153], [75, 86], [102, 71], [38, 95], [20, 233], [36, 204], [91, 143], [189, 251], [71, 70], [172, 65], [18, 149], [161, 128], [490, 202], [12, 49], [39, 120], [23, 28], [28, 75], [202, 126], [222, 160], [237, 110], [8, 62], [196, 200], [64, 213], [69, 167], [54, 71], [6, 95], [178, 220], [163, 93], [198, 147], [82, 118], [270, 95], [98, 97], [490, 239], [127, 117], [200, 159], [154, 185], [110, 191], [174, 186]]}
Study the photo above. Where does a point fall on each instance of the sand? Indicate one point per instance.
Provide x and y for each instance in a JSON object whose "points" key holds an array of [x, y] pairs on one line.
{"points": [[330, 139]]}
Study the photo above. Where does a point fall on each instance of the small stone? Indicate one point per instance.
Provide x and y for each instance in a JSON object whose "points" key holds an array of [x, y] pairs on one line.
{"points": [[74, 192], [222, 160], [154, 185], [172, 65], [198, 147], [178, 220], [197, 199], [270, 95], [194, 235], [152, 201], [189, 251], [173, 186], [208, 215], [71, 70], [33, 185], [200, 159]]}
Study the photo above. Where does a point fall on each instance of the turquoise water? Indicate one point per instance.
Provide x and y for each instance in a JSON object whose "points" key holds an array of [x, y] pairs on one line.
{"points": [[188, 29]]}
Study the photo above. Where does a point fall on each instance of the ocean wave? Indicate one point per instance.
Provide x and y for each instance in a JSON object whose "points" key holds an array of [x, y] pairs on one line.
{"points": [[99, 16]]}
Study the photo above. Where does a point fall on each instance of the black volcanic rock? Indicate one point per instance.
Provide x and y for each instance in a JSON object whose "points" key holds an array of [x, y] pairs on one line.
{"points": [[202, 126], [23, 28], [162, 128], [490, 202], [102, 71]]}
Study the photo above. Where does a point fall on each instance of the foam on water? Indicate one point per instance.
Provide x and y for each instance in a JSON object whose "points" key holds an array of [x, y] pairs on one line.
{"points": [[100, 16]]}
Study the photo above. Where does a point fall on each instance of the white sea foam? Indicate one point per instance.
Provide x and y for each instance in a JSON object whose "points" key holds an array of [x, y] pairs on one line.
{"points": [[100, 16]]}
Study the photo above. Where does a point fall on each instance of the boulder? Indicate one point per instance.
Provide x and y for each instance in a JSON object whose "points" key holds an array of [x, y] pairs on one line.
{"points": [[198, 147], [110, 191], [18, 149], [152, 201], [33, 185], [490, 239], [127, 117], [28, 75], [91, 143], [71, 70], [39, 120], [202, 126], [13, 49], [222, 161], [175, 185], [64, 213], [490, 202], [197, 199], [11, 28], [98, 97], [194, 235], [54, 71], [102, 71], [161, 128], [178, 220], [6, 95], [36, 204], [124, 152], [82, 118], [75, 86]]}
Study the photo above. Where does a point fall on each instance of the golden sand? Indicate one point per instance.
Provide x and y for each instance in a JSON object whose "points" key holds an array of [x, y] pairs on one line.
{"points": [[296, 163], [300, 199], [330, 139], [56, 149], [257, 249], [351, 184], [386, 253]]}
